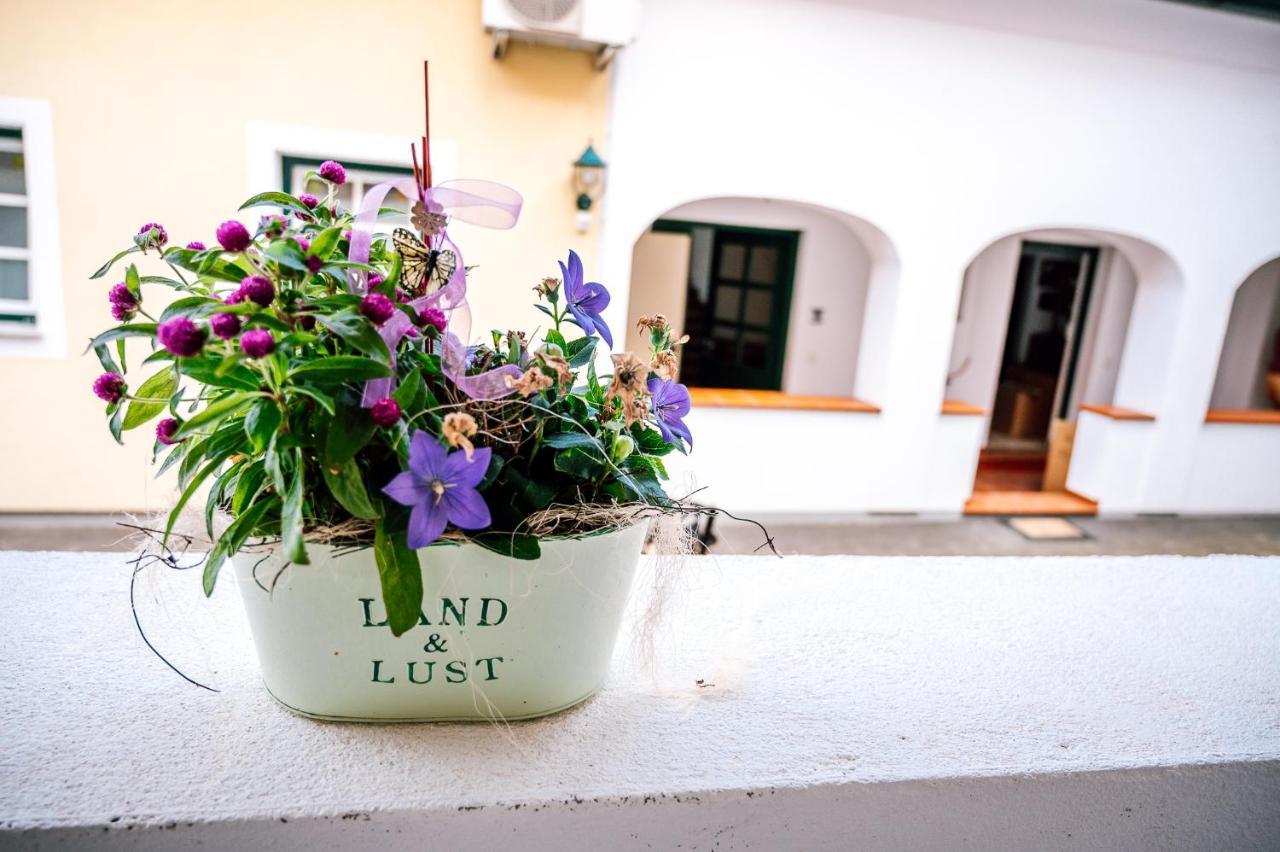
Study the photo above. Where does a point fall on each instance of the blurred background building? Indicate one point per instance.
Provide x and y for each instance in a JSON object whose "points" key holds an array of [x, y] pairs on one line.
{"points": [[991, 256]]}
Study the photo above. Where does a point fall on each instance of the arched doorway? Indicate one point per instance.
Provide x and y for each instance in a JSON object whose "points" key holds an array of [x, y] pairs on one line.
{"points": [[1045, 325], [1248, 376], [772, 293]]}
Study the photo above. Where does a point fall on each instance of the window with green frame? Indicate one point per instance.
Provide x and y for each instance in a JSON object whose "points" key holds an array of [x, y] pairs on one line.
{"points": [[737, 305], [17, 307], [360, 177]]}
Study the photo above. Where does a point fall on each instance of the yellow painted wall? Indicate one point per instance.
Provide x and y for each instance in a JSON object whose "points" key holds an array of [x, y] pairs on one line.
{"points": [[150, 105]]}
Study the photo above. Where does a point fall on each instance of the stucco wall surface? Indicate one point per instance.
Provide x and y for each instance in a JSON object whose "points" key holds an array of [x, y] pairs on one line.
{"points": [[836, 702]]}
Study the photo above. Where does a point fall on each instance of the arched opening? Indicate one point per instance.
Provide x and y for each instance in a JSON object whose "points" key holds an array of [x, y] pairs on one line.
{"points": [[1048, 326], [1249, 367], [772, 293]]}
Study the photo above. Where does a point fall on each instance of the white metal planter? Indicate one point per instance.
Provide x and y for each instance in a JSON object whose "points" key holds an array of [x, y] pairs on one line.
{"points": [[498, 637]]}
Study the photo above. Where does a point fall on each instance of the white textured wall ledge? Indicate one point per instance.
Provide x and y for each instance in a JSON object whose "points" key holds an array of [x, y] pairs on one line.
{"points": [[871, 703]]}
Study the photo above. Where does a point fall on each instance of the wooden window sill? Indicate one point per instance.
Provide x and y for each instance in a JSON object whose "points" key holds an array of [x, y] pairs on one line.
{"points": [[738, 398], [1241, 415], [1116, 413], [956, 407]]}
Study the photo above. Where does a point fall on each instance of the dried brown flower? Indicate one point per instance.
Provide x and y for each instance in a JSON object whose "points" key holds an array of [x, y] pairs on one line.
{"points": [[547, 287], [458, 428], [629, 375], [532, 381], [665, 364], [558, 365], [657, 322]]}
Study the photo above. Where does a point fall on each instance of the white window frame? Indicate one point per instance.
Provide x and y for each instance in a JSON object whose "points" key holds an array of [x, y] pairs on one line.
{"points": [[47, 336], [270, 142]]}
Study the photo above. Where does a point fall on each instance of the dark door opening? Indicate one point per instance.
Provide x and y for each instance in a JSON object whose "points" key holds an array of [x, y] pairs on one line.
{"points": [[1037, 372], [737, 305]]}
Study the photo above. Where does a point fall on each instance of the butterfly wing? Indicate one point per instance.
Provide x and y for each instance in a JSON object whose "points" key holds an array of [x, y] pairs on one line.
{"points": [[443, 264], [414, 259]]}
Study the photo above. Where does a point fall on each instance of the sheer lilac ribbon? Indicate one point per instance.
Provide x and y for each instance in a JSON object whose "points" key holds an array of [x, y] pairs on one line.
{"points": [[478, 202]]}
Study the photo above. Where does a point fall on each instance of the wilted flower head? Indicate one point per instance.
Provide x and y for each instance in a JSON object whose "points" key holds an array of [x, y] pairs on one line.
{"points": [[547, 287], [151, 235], [165, 430], [628, 385], [109, 387], [225, 326], [458, 429], [257, 343], [530, 382], [385, 412], [557, 364], [665, 364], [181, 336], [332, 172], [233, 236], [656, 322]]}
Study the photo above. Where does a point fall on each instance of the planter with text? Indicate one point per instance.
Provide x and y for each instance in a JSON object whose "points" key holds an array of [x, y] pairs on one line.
{"points": [[496, 636]]}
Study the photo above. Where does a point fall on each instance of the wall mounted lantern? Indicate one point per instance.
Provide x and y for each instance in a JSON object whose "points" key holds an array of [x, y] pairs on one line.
{"points": [[588, 180]]}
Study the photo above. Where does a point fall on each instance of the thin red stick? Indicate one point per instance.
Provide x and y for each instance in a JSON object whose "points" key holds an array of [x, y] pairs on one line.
{"points": [[426, 115]]}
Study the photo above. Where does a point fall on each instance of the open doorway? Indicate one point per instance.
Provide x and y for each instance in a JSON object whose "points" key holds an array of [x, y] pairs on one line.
{"points": [[1031, 422]]}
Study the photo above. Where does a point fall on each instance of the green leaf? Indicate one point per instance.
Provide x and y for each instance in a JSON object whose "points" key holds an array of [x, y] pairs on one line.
{"points": [[295, 549], [286, 254], [214, 413], [515, 545], [151, 399], [580, 351], [106, 267], [261, 423], [323, 245], [114, 424], [356, 329], [406, 393], [534, 494], [325, 401], [347, 486], [341, 368], [104, 358], [190, 306], [350, 431], [555, 337], [208, 371], [565, 440], [401, 578], [275, 199], [232, 538], [580, 463], [213, 464], [208, 264], [248, 486], [132, 281], [137, 329]]}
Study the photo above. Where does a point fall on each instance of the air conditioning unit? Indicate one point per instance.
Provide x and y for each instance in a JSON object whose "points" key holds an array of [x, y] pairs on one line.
{"points": [[600, 26]]}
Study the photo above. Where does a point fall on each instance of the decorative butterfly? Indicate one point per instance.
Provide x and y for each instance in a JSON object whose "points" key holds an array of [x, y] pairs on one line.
{"points": [[423, 270], [427, 222]]}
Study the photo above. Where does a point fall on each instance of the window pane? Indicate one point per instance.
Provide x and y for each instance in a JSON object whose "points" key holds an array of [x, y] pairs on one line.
{"points": [[733, 258], [764, 265], [727, 301], [12, 177], [755, 349], [13, 226], [13, 280], [759, 307], [723, 343]]}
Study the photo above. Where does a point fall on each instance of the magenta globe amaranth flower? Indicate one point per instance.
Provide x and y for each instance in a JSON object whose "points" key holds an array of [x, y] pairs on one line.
{"points": [[308, 200], [257, 343], [109, 387], [377, 307], [670, 405], [332, 172], [165, 431], [152, 235], [225, 326], [124, 304], [313, 263], [585, 299], [303, 243], [181, 336], [196, 245], [233, 236], [441, 488], [376, 280], [435, 318], [258, 289], [385, 412]]}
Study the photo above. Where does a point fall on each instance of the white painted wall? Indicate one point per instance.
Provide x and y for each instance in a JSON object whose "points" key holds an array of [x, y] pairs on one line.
{"points": [[1250, 341], [949, 126], [833, 269]]}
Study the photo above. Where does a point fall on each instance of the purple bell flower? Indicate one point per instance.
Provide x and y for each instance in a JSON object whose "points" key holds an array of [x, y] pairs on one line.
{"points": [[441, 488], [671, 404], [585, 300]]}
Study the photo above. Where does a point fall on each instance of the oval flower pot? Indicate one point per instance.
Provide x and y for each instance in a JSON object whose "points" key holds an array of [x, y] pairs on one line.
{"points": [[499, 638]]}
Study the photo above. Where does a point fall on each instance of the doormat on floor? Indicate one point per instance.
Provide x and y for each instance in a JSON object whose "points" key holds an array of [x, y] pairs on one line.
{"points": [[1046, 529]]}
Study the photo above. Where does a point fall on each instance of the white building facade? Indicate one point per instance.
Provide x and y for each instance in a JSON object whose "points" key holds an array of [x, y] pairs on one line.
{"points": [[921, 153]]}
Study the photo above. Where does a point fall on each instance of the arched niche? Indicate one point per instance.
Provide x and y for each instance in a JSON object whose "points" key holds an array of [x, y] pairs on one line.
{"points": [[688, 263], [1251, 348]]}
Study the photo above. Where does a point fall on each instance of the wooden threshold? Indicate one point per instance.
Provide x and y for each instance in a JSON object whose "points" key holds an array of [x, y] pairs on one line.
{"points": [[1029, 503], [777, 400], [1117, 413], [1242, 415], [955, 406]]}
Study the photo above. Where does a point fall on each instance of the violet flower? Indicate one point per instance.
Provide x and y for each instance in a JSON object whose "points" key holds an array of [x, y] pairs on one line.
{"points": [[181, 336], [585, 300], [257, 343], [165, 430], [308, 200], [378, 308], [435, 318], [109, 387], [124, 304], [441, 488], [332, 172], [385, 412], [225, 326], [258, 289], [670, 405], [233, 236]]}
